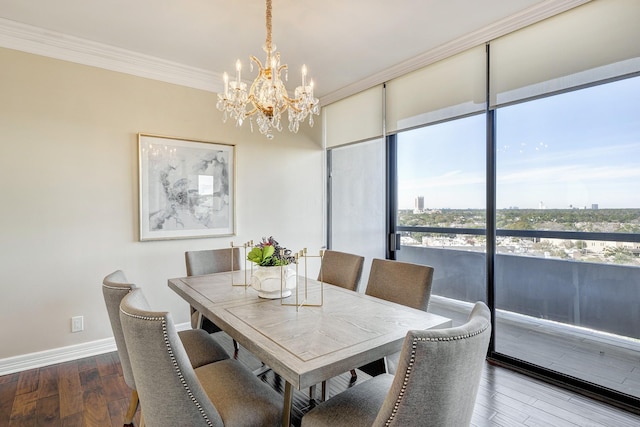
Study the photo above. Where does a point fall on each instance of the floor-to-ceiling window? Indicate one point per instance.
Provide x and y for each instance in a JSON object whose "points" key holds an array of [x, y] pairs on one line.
{"points": [[441, 219], [534, 205], [568, 247]]}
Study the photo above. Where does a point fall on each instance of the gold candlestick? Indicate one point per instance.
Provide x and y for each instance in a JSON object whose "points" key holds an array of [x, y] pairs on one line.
{"points": [[304, 303], [244, 246]]}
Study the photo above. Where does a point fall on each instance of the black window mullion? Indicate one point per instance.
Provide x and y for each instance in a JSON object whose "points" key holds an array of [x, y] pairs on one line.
{"points": [[490, 210], [392, 195]]}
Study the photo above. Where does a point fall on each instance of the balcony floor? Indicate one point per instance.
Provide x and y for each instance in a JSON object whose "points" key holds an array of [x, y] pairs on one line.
{"points": [[600, 358]]}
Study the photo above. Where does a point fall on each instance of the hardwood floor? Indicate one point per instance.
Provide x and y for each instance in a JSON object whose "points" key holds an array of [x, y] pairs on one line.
{"points": [[91, 392], [85, 392]]}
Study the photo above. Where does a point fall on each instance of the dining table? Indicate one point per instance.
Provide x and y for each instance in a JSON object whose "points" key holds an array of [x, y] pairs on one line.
{"points": [[317, 333]]}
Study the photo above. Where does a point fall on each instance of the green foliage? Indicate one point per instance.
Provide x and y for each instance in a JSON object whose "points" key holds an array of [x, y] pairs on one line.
{"points": [[261, 256], [619, 255], [585, 220], [269, 253]]}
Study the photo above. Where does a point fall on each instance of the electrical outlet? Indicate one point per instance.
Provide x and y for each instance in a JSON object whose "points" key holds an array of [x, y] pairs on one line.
{"points": [[77, 324]]}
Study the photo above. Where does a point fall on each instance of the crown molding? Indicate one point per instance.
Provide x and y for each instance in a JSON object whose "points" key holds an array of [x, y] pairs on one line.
{"points": [[536, 13], [27, 38], [52, 44]]}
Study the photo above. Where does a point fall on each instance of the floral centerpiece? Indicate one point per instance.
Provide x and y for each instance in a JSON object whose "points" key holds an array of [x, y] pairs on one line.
{"points": [[273, 278], [269, 253]]}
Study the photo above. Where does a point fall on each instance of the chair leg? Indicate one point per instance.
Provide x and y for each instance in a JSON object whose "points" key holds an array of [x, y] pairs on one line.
{"points": [[235, 346], [323, 392], [354, 376], [200, 321], [133, 407], [374, 368]]}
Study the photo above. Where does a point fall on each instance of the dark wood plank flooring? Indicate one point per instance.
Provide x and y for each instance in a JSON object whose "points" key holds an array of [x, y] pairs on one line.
{"points": [[84, 392], [92, 392]]}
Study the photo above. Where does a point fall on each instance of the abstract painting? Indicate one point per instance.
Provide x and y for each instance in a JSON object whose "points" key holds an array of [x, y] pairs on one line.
{"points": [[186, 188]]}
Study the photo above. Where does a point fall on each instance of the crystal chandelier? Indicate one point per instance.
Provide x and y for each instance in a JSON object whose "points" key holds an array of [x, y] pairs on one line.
{"points": [[267, 97]]}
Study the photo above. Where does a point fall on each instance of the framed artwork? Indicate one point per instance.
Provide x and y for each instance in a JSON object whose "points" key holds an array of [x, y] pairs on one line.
{"points": [[187, 188]]}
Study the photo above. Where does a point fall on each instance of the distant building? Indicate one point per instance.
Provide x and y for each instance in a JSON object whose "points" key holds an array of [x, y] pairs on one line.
{"points": [[419, 205], [542, 206], [594, 206]]}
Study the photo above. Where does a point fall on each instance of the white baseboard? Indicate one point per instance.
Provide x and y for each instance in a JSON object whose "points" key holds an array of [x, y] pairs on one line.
{"points": [[56, 355], [39, 359]]}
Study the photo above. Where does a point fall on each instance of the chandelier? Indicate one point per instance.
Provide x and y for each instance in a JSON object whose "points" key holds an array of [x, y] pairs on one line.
{"points": [[267, 97]]}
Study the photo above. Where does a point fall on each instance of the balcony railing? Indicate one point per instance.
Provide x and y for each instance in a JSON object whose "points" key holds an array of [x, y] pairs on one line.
{"points": [[602, 297]]}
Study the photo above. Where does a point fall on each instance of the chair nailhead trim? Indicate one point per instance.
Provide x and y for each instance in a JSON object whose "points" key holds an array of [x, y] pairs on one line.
{"points": [[412, 361], [174, 362]]}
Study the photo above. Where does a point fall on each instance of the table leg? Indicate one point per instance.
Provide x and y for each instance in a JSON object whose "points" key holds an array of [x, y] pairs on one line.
{"points": [[288, 401], [312, 393]]}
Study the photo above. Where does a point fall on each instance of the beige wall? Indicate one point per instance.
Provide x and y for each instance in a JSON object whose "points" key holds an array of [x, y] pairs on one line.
{"points": [[69, 190]]}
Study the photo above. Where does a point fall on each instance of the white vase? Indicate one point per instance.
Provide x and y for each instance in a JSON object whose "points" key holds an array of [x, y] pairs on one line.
{"points": [[267, 281]]}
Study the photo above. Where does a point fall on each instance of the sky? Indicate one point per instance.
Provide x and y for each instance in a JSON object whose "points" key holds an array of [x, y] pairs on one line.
{"points": [[571, 150]]}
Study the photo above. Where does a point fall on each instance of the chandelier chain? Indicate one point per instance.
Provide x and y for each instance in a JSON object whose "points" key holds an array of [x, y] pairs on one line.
{"points": [[269, 16]]}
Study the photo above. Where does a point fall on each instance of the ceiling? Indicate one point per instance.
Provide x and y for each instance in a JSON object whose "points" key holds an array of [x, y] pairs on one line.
{"points": [[342, 42]]}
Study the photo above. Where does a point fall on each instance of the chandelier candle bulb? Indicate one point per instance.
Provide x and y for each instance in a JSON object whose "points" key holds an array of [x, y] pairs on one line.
{"points": [[238, 69], [304, 75], [225, 77]]}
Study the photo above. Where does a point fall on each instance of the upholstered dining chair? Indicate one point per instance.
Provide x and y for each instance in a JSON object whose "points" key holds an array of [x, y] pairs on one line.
{"points": [[403, 283], [436, 382], [341, 269], [400, 282], [201, 348], [210, 261], [173, 393]]}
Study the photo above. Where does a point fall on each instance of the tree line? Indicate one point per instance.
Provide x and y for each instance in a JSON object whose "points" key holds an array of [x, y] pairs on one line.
{"points": [[584, 220]]}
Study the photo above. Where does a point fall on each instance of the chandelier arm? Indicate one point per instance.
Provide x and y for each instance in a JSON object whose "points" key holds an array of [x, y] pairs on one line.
{"points": [[252, 112], [257, 106], [284, 107], [257, 61], [291, 103]]}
